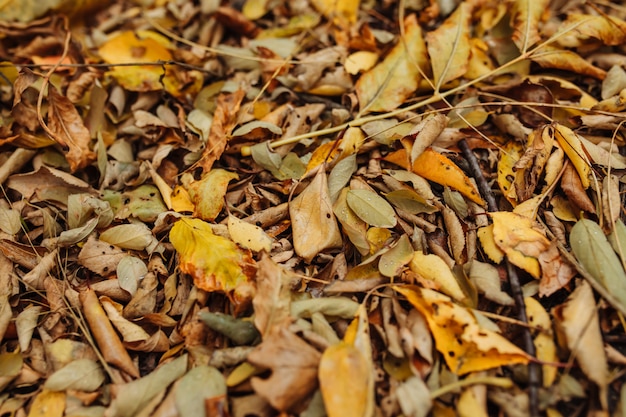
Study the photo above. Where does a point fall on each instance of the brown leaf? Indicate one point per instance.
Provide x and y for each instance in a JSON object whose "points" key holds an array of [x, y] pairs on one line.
{"points": [[294, 370], [103, 332], [24, 100], [69, 130], [224, 120], [551, 57], [572, 186], [314, 225]]}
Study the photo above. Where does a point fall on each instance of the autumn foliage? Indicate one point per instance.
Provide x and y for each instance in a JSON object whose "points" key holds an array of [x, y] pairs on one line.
{"points": [[312, 208]]}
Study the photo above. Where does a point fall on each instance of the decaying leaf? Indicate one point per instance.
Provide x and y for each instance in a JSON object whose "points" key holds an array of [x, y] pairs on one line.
{"points": [[207, 194], [525, 20], [464, 344], [294, 369], [578, 320], [214, 262], [314, 226], [435, 269]]}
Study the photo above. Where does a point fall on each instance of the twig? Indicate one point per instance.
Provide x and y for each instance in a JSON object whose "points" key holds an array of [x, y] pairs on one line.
{"points": [[534, 368]]}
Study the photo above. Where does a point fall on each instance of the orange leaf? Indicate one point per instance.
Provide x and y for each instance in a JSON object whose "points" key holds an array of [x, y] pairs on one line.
{"points": [[465, 345], [437, 168], [551, 57], [525, 18], [214, 262]]}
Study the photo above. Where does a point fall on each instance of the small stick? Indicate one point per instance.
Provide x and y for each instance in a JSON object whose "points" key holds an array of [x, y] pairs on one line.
{"points": [[534, 368]]}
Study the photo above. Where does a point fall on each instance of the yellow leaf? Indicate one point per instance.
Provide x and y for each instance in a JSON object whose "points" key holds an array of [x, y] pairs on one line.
{"points": [[248, 235], [346, 372], [214, 262], [511, 153], [390, 83], [433, 268], [343, 13], [360, 61], [519, 240], [437, 168], [543, 339], [449, 46], [480, 63], [464, 344], [525, 18], [570, 143], [181, 202], [313, 223], [207, 194], [129, 47], [324, 153], [48, 404], [551, 57]]}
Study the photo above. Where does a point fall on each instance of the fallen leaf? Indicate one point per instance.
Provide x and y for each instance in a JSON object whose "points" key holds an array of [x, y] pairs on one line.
{"points": [[68, 130], [371, 208], [572, 146], [314, 226], [135, 236], [207, 194], [390, 83], [435, 269], [516, 236], [437, 168], [142, 47], [578, 319], [525, 18], [346, 373], [543, 339], [132, 397], [214, 262], [552, 57], [610, 30], [248, 235], [449, 46], [293, 364], [81, 375], [199, 385], [342, 13], [464, 344], [594, 252], [49, 404], [103, 332]]}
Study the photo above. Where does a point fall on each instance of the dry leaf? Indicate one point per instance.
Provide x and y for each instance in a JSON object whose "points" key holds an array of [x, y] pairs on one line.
{"points": [[314, 226], [214, 262], [294, 369], [207, 194], [346, 373], [103, 332], [68, 129], [371, 208], [449, 46], [543, 339], [81, 375], [525, 18], [435, 269], [464, 344], [390, 83], [578, 320], [248, 235], [437, 168]]}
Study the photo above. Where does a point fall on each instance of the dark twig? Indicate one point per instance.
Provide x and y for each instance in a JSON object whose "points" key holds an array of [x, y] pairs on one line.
{"points": [[534, 368]]}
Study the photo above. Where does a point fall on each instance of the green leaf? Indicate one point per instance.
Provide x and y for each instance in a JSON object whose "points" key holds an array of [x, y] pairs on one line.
{"points": [[410, 201], [393, 261], [340, 175], [240, 331], [371, 208], [594, 252]]}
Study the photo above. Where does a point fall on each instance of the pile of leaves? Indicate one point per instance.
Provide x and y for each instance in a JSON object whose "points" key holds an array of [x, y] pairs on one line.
{"points": [[314, 207]]}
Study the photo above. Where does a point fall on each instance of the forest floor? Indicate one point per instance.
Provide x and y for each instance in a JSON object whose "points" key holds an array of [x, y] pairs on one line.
{"points": [[314, 207]]}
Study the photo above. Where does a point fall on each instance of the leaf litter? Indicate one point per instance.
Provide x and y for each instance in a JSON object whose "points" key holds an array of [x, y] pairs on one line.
{"points": [[313, 208]]}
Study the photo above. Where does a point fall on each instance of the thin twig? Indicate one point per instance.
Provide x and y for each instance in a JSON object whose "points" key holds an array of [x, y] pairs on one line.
{"points": [[534, 369]]}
